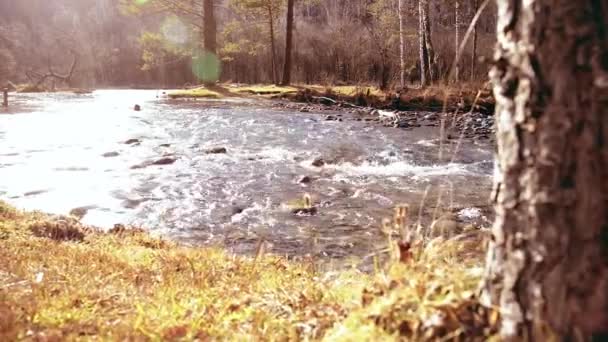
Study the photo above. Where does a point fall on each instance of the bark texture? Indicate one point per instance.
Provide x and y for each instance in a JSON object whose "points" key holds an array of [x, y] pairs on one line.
{"points": [[288, 44], [209, 27], [422, 45], [474, 45], [273, 57], [402, 43], [547, 267], [457, 25]]}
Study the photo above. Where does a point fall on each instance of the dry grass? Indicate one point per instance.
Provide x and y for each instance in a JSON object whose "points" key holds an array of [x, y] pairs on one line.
{"points": [[195, 93], [129, 285], [460, 96]]}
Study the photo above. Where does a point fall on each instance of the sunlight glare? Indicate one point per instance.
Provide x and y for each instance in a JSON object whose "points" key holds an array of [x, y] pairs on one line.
{"points": [[206, 66], [175, 31]]}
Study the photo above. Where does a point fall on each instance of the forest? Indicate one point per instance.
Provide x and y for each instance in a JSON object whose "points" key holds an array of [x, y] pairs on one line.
{"points": [[122, 43], [304, 170]]}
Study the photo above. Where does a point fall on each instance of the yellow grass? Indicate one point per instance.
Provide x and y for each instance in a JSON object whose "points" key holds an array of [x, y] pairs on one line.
{"points": [[200, 92], [60, 280]]}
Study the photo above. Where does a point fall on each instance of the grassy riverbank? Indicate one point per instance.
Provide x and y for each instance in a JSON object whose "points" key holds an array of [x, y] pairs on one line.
{"points": [[60, 280], [461, 97]]}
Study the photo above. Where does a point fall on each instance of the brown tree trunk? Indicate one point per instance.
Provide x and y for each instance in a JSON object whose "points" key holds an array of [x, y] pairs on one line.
{"points": [[402, 42], [547, 267], [457, 29], [288, 44], [273, 57], [474, 47], [209, 27], [428, 42], [424, 67]]}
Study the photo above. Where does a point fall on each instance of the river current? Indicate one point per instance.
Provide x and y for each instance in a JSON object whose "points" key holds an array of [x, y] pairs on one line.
{"points": [[63, 151]]}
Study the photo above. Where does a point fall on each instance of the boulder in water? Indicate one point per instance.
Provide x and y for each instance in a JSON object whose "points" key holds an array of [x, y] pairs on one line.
{"points": [[133, 141], [110, 154], [318, 162], [137, 108], [446, 225], [216, 150], [165, 161], [305, 180]]}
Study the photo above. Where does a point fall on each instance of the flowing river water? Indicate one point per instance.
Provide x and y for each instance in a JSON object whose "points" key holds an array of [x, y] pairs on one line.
{"points": [[63, 151]]}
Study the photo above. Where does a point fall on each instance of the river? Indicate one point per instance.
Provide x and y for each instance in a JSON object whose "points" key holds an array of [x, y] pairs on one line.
{"points": [[62, 151]]}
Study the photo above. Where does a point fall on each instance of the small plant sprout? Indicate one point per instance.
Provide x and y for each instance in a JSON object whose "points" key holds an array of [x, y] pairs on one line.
{"points": [[307, 201]]}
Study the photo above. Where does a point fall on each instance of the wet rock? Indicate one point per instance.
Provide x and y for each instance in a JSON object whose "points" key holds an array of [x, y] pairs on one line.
{"points": [[159, 162], [304, 211], [305, 180], [110, 154], [132, 141], [216, 150], [318, 162], [331, 118], [164, 161], [80, 212], [130, 203], [304, 110], [137, 108], [165, 145], [34, 193], [446, 225], [237, 210]]}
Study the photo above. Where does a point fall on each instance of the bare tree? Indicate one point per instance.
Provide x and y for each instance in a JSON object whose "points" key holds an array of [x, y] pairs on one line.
{"points": [[547, 266], [427, 52], [457, 38], [402, 42], [209, 27], [38, 78], [475, 7], [288, 44]]}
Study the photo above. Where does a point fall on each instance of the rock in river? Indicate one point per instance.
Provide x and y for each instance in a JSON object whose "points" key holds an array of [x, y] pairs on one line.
{"points": [[304, 180], [318, 162], [216, 150], [132, 141], [164, 161], [110, 154]]}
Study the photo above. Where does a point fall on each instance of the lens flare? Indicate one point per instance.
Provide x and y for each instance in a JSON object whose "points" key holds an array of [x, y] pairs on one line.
{"points": [[175, 31], [206, 66]]}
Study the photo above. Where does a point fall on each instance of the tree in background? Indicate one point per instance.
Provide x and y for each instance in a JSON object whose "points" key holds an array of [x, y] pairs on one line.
{"points": [[547, 267], [288, 44], [427, 52], [402, 42], [209, 27]]}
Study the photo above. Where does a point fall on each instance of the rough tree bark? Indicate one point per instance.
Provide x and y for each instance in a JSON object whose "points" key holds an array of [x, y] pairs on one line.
{"points": [[424, 67], [209, 27], [475, 7], [288, 44], [402, 42], [547, 266], [273, 57], [457, 30], [428, 41]]}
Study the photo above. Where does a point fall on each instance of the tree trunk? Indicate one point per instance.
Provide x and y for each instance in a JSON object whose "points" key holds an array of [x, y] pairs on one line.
{"points": [[288, 44], [547, 266], [474, 47], [402, 42], [209, 27], [422, 45], [273, 57], [457, 29], [428, 42]]}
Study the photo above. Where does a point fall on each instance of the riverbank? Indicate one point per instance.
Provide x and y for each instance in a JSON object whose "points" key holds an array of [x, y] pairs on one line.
{"points": [[62, 280], [461, 98]]}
